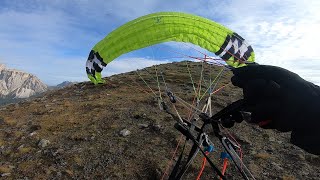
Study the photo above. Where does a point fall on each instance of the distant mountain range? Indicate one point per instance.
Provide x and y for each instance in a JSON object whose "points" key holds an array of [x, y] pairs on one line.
{"points": [[62, 85], [16, 85]]}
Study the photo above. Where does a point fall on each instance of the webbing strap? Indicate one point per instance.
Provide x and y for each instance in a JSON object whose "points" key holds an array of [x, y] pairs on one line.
{"points": [[175, 175]]}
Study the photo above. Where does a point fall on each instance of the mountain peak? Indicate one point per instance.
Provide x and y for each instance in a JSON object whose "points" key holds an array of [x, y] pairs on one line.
{"points": [[65, 84], [2, 66], [18, 84]]}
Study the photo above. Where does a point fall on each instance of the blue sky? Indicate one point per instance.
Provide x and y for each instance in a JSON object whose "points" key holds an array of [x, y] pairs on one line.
{"points": [[52, 38]]}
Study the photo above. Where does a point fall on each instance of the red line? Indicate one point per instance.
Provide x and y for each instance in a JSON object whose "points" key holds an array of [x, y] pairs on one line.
{"points": [[173, 155]]}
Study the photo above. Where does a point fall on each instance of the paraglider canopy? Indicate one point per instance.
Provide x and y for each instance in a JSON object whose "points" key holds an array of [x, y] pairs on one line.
{"points": [[168, 26]]}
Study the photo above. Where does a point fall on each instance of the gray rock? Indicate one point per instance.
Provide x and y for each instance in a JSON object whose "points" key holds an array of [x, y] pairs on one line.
{"points": [[32, 134], [5, 174], [143, 126], [302, 157], [125, 132], [43, 143]]}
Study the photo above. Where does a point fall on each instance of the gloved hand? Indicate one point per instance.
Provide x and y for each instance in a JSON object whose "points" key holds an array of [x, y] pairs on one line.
{"points": [[282, 100]]}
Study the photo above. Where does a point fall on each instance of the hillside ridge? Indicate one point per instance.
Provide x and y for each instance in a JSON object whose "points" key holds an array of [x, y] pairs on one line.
{"points": [[117, 131]]}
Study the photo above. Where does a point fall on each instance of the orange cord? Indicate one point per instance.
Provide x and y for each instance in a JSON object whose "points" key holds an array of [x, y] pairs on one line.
{"points": [[224, 166], [204, 160], [173, 155]]}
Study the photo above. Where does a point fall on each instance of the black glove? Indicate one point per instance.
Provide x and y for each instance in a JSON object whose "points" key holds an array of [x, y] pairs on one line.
{"points": [[282, 100]]}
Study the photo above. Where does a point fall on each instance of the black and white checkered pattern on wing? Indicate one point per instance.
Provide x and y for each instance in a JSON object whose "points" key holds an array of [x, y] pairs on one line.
{"points": [[94, 63], [235, 45], [89, 67]]}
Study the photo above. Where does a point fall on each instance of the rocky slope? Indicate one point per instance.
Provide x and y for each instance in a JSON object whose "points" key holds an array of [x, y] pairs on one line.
{"points": [[17, 84], [117, 131]]}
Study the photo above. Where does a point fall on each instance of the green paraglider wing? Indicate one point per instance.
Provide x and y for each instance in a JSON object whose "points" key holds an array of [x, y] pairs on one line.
{"points": [[168, 26]]}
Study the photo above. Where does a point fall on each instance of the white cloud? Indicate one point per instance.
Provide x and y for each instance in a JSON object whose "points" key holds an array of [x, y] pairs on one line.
{"points": [[283, 33]]}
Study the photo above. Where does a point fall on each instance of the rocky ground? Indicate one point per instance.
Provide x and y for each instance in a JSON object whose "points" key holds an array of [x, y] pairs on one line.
{"points": [[117, 131]]}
